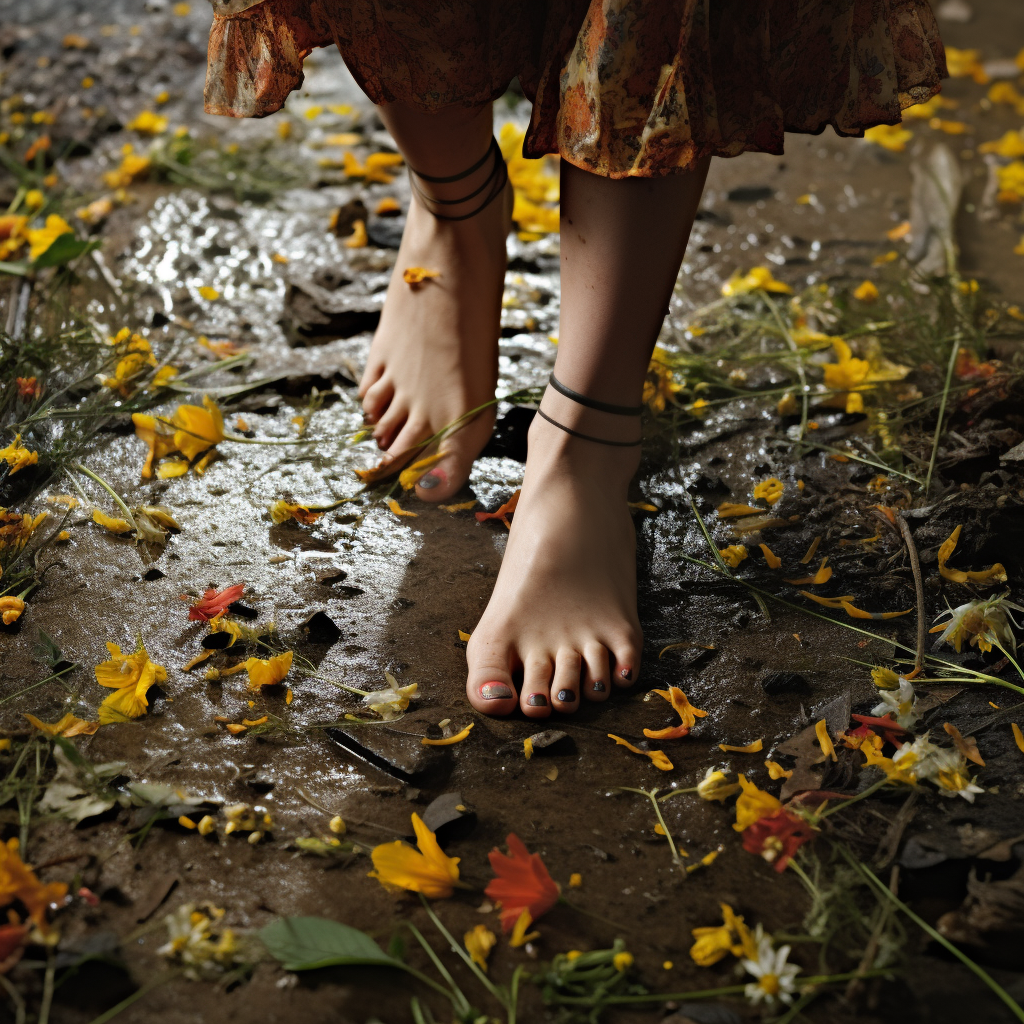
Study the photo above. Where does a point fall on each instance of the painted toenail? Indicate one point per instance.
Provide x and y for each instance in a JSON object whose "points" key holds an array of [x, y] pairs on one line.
{"points": [[433, 478], [537, 700], [495, 691], [599, 687], [626, 673], [566, 696]]}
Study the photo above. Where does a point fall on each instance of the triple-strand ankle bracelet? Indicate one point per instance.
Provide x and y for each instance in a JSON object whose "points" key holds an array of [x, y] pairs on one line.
{"points": [[493, 185], [591, 403]]}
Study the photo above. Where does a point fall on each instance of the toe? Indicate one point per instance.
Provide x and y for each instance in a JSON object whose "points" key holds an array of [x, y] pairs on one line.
{"points": [[565, 687], [595, 672], [625, 666], [441, 481], [409, 439], [489, 683], [371, 375], [390, 425], [535, 700], [376, 399]]}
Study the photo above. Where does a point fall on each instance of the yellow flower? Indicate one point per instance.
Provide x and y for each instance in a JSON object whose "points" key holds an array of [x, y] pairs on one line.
{"points": [[11, 609], [688, 715], [753, 804], [758, 279], [892, 137], [479, 943], [716, 786], [209, 293], [660, 385], [884, 678], [622, 961], [769, 490], [197, 429], [40, 239], [1011, 181], [732, 936], [398, 866], [69, 725], [733, 554], [19, 882], [1011, 146], [268, 671], [964, 64], [148, 123], [159, 438], [17, 456], [34, 199], [132, 167], [130, 676]]}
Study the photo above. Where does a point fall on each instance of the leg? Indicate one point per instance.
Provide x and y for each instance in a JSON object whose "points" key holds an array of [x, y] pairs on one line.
{"points": [[564, 605], [435, 354]]}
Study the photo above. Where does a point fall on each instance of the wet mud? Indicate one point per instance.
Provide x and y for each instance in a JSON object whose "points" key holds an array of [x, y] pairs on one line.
{"points": [[399, 591]]}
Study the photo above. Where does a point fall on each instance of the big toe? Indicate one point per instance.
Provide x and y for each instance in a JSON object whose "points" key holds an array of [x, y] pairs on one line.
{"points": [[489, 684], [448, 475]]}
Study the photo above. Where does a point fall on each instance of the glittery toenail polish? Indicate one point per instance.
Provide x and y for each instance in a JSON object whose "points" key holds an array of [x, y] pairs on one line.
{"points": [[598, 687], [495, 691], [428, 481], [626, 673], [566, 696], [537, 700]]}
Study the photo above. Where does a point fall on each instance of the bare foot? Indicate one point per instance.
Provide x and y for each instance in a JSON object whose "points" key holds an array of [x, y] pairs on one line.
{"points": [[435, 354], [564, 605]]}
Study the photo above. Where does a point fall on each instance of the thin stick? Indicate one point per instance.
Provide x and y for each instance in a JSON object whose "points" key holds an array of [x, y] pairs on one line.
{"points": [[47, 1000], [942, 412], [19, 1003], [915, 565]]}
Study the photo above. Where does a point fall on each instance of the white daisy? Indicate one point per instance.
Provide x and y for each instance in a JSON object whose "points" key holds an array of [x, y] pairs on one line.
{"points": [[775, 977], [901, 703]]}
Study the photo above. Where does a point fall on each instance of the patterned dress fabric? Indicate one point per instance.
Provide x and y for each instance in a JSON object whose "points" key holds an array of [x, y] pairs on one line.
{"points": [[620, 87]]}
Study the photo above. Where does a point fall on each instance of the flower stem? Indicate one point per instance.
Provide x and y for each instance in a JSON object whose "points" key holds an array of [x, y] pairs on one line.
{"points": [[652, 795], [110, 490], [459, 1002], [16, 1000], [678, 792], [874, 787], [47, 1000], [466, 958]]}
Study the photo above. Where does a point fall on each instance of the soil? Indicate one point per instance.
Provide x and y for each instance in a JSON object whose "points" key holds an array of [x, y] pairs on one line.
{"points": [[400, 591]]}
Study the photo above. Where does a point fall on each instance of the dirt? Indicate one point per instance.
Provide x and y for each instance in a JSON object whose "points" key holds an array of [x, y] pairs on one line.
{"points": [[400, 591]]}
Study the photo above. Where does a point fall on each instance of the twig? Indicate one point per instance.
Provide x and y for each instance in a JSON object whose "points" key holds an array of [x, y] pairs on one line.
{"points": [[19, 1003], [915, 565], [942, 412]]}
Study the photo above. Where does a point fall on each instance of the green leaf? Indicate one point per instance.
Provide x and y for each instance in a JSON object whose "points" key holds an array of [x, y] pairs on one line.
{"points": [[64, 249], [19, 269], [304, 943]]}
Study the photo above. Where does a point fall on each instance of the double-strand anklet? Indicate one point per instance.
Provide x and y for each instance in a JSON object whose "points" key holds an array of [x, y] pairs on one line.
{"points": [[591, 403], [497, 180]]}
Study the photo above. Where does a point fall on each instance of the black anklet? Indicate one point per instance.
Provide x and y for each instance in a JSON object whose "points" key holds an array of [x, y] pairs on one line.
{"points": [[588, 437], [497, 180], [593, 403]]}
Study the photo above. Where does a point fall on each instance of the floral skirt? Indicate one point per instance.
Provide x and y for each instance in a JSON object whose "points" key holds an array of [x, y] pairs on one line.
{"points": [[620, 87]]}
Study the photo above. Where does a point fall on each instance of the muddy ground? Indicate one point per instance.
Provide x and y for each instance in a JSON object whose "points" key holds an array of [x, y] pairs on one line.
{"points": [[400, 591]]}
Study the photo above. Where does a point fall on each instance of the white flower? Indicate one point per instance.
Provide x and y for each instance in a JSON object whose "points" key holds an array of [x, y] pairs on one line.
{"points": [[901, 703], [980, 623], [775, 977], [945, 768], [390, 703], [192, 942]]}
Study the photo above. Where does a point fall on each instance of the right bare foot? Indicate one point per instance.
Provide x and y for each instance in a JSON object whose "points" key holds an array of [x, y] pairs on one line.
{"points": [[435, 354], [563, 611]]}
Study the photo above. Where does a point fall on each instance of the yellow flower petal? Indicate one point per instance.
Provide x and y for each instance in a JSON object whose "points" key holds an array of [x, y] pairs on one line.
{"points": [[449, 740], [410, 476], [1018, 736], [865, 291], [398, 510], [111, 523], [479, 942], [268, 671], [773, 560], [776, 771], [994, 574], [398, 866], [658, 757], [753, 804], [750, 748], [824, 740]]}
